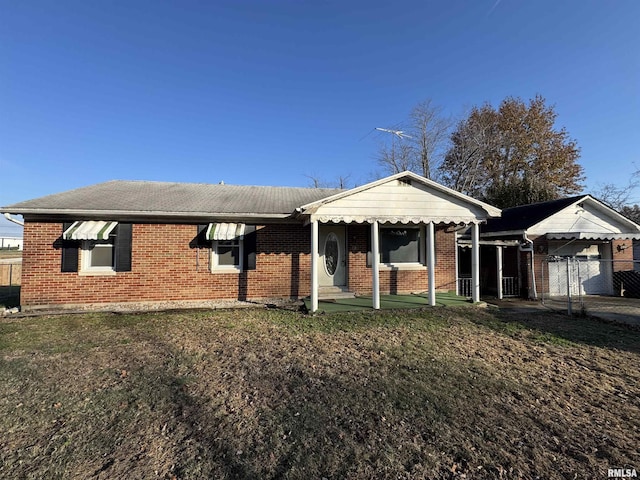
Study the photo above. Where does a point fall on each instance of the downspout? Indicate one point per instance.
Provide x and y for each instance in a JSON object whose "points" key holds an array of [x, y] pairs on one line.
{"points": [[11, 219], [533, 272]]}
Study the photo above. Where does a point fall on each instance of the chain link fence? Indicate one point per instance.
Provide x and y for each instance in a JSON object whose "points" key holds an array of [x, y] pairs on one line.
{"points": [[591, 286]]}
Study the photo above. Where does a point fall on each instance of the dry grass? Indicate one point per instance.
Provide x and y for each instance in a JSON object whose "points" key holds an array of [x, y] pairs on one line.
{"points": [[437, 393], [10, 253]]}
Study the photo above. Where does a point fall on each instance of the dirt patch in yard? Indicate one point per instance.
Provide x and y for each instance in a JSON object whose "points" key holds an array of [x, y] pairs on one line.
{"points": [[435, 393]]}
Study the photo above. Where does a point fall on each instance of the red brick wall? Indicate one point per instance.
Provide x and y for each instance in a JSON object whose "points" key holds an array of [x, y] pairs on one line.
{"points": [[399, 281], [623, 258], [164, 268]]}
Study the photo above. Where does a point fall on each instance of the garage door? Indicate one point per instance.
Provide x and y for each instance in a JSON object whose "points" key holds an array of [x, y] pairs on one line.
{"points": [[585, 276]]}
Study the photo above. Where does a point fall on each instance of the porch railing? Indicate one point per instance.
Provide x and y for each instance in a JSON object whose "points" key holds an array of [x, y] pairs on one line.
{"points": [[510, 287], [465, 285]]}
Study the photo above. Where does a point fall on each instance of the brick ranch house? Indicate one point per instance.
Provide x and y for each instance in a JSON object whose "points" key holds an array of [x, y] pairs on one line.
{"points": [[525, 251], [128, 241]]}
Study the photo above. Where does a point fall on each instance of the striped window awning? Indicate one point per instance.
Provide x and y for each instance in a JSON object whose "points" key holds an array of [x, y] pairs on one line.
{"points": [[90, 230], [225, 231]]}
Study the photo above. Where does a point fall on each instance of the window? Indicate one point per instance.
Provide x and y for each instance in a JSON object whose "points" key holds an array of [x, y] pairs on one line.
{"points": [[98, 256], [233, 246], [400, 245], [227, 255], [104, 247]]}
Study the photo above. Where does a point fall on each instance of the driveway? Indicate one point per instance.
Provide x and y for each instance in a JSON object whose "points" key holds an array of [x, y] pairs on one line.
{"points": [[615, 309]]}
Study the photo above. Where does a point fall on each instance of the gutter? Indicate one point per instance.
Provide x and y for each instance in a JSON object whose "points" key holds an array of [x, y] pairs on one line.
{"points": [[11, 219], [132, 215], [140, 213], [533, 272]]}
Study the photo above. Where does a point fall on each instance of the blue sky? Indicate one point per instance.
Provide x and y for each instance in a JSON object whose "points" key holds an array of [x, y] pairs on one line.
{"points": [[266, 92]]}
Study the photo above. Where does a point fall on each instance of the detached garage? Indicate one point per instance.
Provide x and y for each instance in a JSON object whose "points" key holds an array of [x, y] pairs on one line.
{"points": [[577, 243]]}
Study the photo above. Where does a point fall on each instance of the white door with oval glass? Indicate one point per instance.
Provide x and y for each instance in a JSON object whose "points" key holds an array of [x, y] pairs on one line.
{"points": [[332, 270]]}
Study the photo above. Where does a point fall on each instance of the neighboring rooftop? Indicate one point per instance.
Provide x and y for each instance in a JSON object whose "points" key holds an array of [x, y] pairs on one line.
{"points": [[151, 198], [525, 216]]}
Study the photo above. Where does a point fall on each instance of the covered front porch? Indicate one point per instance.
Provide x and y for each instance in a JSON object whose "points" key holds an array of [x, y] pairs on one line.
{"points": [[401, 216], [387, 302], [501, 268]]}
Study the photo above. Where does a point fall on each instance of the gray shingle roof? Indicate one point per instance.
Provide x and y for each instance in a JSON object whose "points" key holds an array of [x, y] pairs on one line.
{"points": [[174, 198]]}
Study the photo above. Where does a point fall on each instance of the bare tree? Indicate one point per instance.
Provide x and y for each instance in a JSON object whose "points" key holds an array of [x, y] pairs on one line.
{"points": [[462, 166], [397, 157], [342, 181], [618, 197], [429, 131], [316, 182], [422, 148]]}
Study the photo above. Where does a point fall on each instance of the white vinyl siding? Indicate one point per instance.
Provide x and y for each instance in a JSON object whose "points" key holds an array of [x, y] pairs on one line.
{"points": [[582, 218], [396, 199]]}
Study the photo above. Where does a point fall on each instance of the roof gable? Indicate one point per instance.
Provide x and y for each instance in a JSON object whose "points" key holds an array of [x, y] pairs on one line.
{"points": [[401, 198], [588, 217], [579, 214]]}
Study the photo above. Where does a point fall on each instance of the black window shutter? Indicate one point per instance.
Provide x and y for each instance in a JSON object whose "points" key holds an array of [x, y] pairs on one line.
{"points": [[249, 260], [201, 238], [69, 250], [122, 247]]}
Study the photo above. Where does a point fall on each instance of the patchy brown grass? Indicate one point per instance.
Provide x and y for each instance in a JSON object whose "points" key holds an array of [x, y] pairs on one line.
{"points": [[437, 393], [10, 253]]}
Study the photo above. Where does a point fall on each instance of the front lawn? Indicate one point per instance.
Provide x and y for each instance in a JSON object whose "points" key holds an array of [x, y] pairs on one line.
{"points": [[436, 393]]}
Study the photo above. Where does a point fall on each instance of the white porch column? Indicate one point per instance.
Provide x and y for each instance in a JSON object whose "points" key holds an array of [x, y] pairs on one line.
{"points": [[457, 257], [375, 264], [475, 262], [431, 264], [499, 270], [314, 265]]}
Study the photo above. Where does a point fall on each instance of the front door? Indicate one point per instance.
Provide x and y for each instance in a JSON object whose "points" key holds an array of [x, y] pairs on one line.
{"points": [[332, 270]]}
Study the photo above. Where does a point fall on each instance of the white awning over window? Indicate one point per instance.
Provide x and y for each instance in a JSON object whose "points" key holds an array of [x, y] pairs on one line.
{"points": [[225, 231], [90, 230]]}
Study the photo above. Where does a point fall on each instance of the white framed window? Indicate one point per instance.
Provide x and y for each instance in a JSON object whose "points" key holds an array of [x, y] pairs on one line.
{"points": [[226, 255], [402, 247], [98, 256]]}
